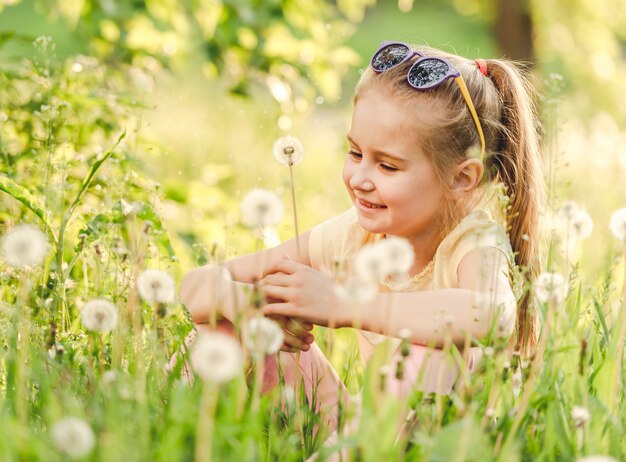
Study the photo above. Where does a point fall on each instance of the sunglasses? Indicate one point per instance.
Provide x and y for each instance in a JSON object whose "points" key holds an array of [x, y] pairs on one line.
{"points": [[424, 74]]}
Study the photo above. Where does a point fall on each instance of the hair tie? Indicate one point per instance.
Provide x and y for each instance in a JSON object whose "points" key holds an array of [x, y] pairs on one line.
{"points": [[481, 64]]}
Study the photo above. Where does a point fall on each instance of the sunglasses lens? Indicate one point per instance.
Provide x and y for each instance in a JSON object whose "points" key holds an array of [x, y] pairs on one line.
{"points": [[428, 73], [389, 57]]}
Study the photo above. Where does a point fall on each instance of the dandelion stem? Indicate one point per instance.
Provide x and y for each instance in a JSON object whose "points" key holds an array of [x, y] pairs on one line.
{"points": [[206, 423], [620, 342], [534, 368], [295, 213]]}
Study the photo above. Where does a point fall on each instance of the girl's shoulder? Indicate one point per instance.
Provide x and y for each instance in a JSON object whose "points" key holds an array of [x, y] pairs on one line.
{"points": [[475, 230]]}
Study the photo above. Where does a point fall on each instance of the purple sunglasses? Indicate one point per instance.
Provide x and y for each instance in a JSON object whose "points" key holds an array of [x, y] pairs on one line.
{"points": [[424, 74]]}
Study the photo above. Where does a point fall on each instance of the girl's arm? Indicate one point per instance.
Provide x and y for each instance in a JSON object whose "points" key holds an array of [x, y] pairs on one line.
{"points": [[484, 300], [484, 296], [210, 289]]}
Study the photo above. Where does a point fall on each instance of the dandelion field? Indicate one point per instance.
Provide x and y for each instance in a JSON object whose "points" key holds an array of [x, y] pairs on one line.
{"points": [[100, 218]]}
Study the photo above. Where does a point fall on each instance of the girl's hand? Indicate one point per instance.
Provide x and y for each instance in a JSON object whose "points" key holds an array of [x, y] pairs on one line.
{"points": [[303, 293], [297, 333]]}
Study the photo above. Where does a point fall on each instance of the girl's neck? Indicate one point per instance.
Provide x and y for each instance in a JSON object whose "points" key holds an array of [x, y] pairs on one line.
{"points": [[424, 248]]}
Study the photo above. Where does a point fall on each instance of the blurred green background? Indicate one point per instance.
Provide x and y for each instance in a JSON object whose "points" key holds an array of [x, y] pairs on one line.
{"points": [[213, 84]]}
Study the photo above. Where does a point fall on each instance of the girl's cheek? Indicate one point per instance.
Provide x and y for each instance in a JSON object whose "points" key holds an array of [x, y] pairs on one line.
{"points": [[346, 174]]}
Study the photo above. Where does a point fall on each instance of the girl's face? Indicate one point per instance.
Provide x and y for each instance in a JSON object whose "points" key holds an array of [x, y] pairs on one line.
{"points": [[392, 184]]}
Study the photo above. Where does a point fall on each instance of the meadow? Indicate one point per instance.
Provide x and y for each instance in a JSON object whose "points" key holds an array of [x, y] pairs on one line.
{"points": [[115, 182]]}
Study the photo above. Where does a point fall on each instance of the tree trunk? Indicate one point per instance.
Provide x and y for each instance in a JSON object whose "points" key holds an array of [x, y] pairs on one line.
{"points": [[513, 30]]}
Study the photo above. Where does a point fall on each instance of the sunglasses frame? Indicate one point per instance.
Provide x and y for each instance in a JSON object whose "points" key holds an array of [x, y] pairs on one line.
{"points": [[451, 73]]}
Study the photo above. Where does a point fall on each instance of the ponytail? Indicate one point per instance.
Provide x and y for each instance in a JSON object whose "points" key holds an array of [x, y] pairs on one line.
{"points": [[515, 162]]}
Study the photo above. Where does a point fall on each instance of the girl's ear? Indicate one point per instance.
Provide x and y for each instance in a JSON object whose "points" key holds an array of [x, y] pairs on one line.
{"points": [[467, 177]]}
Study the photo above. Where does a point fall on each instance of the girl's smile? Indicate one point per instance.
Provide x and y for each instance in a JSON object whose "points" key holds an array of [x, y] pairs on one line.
{"points": [[369, 206]]}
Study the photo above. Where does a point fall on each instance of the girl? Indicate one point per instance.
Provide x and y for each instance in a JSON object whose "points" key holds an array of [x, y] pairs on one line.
{"points": [[430, 132]]}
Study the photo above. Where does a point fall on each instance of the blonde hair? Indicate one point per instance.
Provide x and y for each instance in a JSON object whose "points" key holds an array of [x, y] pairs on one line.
{"points": [[447, 135]]}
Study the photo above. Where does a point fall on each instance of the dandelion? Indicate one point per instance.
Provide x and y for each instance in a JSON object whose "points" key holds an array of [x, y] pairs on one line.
{"points": [[399, 254], [580, 416], [575, 220], [156, 286], [263, 335], [405, 333], [550, 287], [581, 225], [99, 315], [288, 150], [261, 207], [108, 378], [371, 263], [516, 382], [618, 224], [24, 246], [216, 357], [73, 436], [129, 208], [356, 291]]}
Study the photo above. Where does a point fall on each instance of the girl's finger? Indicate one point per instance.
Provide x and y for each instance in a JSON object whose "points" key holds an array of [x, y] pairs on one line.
{"points": [[282, 266], [284, 320], [294, 342], [277, 292], [275, 279], [284, 309], [286, 348], [306, 325], [296, 329]]}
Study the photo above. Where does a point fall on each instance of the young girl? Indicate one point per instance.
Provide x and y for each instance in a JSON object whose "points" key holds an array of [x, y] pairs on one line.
{"points": [[430, 132]]}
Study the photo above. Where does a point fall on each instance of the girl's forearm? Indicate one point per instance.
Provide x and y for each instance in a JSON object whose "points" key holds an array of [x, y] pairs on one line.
{"points": [[209, 291], [433, 316]]}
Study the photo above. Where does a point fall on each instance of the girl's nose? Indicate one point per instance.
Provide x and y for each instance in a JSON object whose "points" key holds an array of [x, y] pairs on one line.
{"points": [[360, 180]]}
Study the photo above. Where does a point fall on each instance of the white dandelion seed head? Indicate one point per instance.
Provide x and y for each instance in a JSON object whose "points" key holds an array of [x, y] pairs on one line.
{"points": [[261, 207], [516, 382], [581, 225], [399, 254], [550, 287], [108, 378], [618, 224], [99, 315], [288, 150], [573, 219], [24, 246], [371, 263], [156, 286], [404, 333], [263, 335], [216, 357], [384, 370], [490, 412], [73, 436], [356, 291], [580, 416], [289, 393]]}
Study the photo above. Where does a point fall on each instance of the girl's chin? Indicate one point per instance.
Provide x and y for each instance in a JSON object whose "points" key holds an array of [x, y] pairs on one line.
{"points": [[370, 225]]}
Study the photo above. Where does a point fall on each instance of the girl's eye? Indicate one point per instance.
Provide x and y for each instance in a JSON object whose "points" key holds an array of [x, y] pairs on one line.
{"points": [[388, 167], [354, 154]]}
